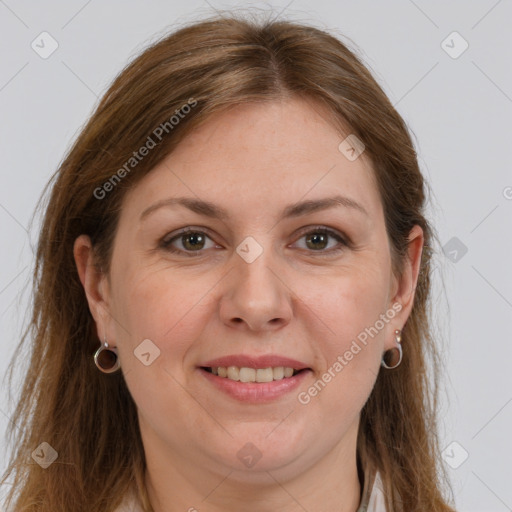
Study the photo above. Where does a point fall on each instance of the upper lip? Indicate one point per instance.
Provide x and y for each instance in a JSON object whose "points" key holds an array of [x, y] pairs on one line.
{"points": [[247, 361]]}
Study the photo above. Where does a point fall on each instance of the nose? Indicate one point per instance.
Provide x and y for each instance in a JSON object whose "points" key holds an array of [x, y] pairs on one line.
{"points": [[256, 296]]}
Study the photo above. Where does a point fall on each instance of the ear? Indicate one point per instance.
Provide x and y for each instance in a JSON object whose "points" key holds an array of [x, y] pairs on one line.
{"points": [[95, 284], [405, 285]]}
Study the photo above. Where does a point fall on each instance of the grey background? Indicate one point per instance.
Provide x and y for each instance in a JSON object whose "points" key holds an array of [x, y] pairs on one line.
{"points": [[459, 110]]}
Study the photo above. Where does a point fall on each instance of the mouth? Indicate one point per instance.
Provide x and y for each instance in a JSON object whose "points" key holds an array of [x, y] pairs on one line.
{"points": [[259, 375], [248, 385]]}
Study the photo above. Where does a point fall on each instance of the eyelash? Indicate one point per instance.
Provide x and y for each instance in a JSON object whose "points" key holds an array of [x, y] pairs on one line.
{"points": [[166, 243]]}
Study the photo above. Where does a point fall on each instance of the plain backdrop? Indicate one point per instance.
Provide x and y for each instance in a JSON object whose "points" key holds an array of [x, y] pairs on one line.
{"points": [[446, 66]]}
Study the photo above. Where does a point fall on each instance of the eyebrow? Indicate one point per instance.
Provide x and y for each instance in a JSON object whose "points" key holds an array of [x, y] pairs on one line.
{"points": [[214, 211]]}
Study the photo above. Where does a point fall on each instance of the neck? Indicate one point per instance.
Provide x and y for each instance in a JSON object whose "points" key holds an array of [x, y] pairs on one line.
{"points": [[329, 484]]}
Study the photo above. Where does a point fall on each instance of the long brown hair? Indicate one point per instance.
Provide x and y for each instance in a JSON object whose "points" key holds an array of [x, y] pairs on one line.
{"points": [[90, 418]]}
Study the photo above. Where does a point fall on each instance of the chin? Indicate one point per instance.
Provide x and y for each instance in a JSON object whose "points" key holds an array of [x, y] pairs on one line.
{"points": [[260, 448]]}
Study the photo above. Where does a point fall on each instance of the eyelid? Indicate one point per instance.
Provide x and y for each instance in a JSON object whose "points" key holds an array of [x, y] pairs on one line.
{"points": [[183, 231], [320, 227]]}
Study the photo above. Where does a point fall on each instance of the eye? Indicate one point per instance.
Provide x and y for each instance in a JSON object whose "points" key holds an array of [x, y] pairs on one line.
{"points": [[192, 242], [317, 240]]}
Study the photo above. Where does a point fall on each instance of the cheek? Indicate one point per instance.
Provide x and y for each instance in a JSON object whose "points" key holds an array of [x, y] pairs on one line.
{"points": [[348, 303], [163, 305], [346, 324], [348, 351]]}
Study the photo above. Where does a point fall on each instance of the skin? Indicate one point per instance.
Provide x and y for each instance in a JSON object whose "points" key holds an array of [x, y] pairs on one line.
{"points": [[253, 160]]}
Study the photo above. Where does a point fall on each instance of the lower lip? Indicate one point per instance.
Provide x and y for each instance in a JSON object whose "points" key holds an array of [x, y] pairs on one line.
{"points": [[256, 392]]}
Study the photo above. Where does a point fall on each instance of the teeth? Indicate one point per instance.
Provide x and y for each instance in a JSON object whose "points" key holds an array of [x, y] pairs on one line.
{"points": [[278, 373], [247, 375], [252, 374], [233, 373], [266, 375]]}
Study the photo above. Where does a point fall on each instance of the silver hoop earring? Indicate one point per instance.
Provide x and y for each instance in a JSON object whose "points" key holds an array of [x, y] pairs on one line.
{"points": [[106, 358], [394, 355]]}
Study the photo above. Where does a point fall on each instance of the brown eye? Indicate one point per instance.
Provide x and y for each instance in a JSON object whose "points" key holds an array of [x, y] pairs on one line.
{"points": [[193, 241], [187, 242], [318, 240]]}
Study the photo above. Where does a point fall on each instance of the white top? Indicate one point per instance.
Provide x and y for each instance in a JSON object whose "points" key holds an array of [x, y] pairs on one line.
{"points": [[373, 494], [372, 498]]}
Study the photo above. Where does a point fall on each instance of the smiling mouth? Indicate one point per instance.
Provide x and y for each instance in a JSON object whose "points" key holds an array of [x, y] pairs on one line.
{"points": [[261, 375]]}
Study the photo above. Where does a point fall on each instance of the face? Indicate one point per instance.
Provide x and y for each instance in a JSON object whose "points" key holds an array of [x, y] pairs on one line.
{"points": [[269, 275]]}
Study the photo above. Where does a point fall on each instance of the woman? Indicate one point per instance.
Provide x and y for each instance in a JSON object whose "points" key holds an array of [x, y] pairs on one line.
{"points": [[231, 291]]}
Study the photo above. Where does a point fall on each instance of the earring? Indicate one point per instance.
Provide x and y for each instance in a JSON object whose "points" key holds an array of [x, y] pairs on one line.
{"points": [[106, 358], [394, 355]]}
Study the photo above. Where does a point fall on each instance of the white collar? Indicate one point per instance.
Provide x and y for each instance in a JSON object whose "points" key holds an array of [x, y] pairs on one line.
{"points": [[373, 494]]}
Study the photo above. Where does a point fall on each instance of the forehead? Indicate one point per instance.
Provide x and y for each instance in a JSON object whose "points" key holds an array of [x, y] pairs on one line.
{"points": [[257, 155]]}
